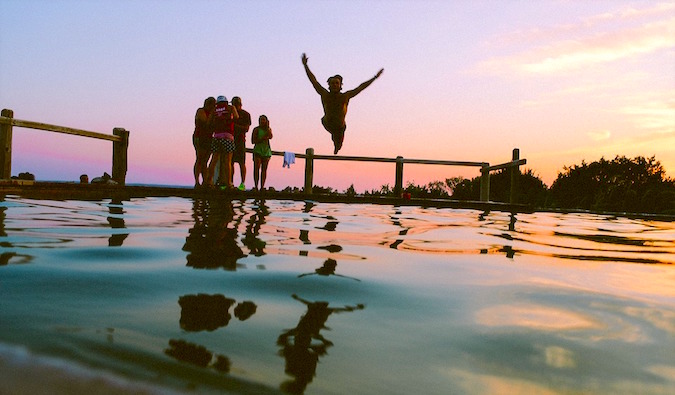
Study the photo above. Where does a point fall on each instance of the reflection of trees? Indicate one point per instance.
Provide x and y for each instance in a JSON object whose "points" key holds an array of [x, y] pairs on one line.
{"points": [[197, 355], [303, 345], [251, 240], [211, 243], [328, 269], [116, 221]]}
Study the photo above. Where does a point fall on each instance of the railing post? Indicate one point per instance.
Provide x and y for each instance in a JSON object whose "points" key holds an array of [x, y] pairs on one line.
{"points": [[485, 183], [6, 146], [309, 170], [398, 187], [119, 157], [515, 173]]}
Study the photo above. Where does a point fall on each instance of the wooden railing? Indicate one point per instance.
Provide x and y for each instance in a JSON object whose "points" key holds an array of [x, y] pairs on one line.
{"points": [[485, 169], [119, 138]]}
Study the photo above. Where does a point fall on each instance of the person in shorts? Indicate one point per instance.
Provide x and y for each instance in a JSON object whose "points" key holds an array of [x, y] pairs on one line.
{"points": [[262, 152], [222, 143], [241, 126], [201, 140], [335, 103]]}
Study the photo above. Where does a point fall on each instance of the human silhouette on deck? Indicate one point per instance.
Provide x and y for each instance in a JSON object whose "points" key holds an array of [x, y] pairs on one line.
{"points": [[335, 103]]}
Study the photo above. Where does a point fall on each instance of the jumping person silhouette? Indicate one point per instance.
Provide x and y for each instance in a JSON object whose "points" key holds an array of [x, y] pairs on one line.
{"points": [[335, 103]]}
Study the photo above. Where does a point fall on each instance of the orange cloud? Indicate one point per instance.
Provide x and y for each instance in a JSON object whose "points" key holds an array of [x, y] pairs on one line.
{"points": [[594, 40]]}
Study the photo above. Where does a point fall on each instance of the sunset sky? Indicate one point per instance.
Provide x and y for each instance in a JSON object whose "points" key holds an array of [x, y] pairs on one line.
{"points": [[563, 81]]}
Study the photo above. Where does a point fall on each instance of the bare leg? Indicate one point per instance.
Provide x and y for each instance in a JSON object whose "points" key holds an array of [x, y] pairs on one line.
{"points": [[264, 172], [242, 171], [212, 168], [256, 172], [228, 169]]}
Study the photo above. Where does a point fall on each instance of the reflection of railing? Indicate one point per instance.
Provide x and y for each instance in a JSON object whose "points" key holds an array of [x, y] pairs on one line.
{"points": [[120, 139], [485, 169]]}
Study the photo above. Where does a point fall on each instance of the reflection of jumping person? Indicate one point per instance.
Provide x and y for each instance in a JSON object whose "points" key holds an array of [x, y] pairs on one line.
{"points": [[335, 103], [302, 353]]}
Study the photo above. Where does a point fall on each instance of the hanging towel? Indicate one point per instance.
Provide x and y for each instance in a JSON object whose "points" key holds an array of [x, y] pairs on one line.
{"points": [[289, 159]]}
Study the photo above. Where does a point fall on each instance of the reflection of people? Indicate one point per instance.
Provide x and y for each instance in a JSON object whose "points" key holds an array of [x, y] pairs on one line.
{"points": [[255, 245], [301, 353], [241, 126], [335, 103], [222, 143], [245, 310], [211, 243], [201, 139], [197, 355], [262, 152], [204, 312], [328, 269]]}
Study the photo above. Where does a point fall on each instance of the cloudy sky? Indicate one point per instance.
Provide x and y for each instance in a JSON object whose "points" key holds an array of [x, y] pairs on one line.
{"points": [[563, 81]]}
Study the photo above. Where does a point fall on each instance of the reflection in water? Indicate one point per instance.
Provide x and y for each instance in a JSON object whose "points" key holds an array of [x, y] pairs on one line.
{"points": [[245, 310], [251, 238], [331, 248], [211, 242], [2, 220], [395, 221], [116, 221], [298, 346], [197, 355], [540, 321], [204, 312], [6, 256], [328, 269], [330, 225]]}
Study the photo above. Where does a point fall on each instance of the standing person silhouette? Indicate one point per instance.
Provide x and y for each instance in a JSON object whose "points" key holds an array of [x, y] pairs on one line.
{"points": [[262, 152], [335, 103], [201, 139]]}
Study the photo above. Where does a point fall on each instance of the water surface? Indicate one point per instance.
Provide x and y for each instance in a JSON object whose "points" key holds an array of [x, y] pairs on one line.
{"points": [[169, 294]]}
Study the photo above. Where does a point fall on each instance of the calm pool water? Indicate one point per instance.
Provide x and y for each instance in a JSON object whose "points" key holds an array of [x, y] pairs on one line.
{"points": [[163, 295]]}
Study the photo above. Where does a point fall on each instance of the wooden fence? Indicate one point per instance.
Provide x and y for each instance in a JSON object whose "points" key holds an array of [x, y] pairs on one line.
{"points": [[485, 169], [119, 138]]}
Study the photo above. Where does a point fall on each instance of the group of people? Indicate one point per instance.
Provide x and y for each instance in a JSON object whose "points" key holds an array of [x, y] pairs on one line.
{"points": [[220, 132], [219, 139]]}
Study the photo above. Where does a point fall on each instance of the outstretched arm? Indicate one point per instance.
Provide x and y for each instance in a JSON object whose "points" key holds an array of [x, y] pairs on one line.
{"points": [[317, 87], [363, 86]]}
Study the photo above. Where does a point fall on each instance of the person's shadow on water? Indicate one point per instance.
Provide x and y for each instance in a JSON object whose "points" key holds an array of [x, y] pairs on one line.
{"points": [[211, 243], [302, 346]]}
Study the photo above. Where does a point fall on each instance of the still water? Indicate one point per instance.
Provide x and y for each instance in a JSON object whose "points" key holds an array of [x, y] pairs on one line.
{"points": [[171, 295]]}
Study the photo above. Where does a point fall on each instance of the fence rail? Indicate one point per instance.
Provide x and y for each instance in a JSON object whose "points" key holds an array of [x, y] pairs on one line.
{"points": [[485, 167], [120, 140]]}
